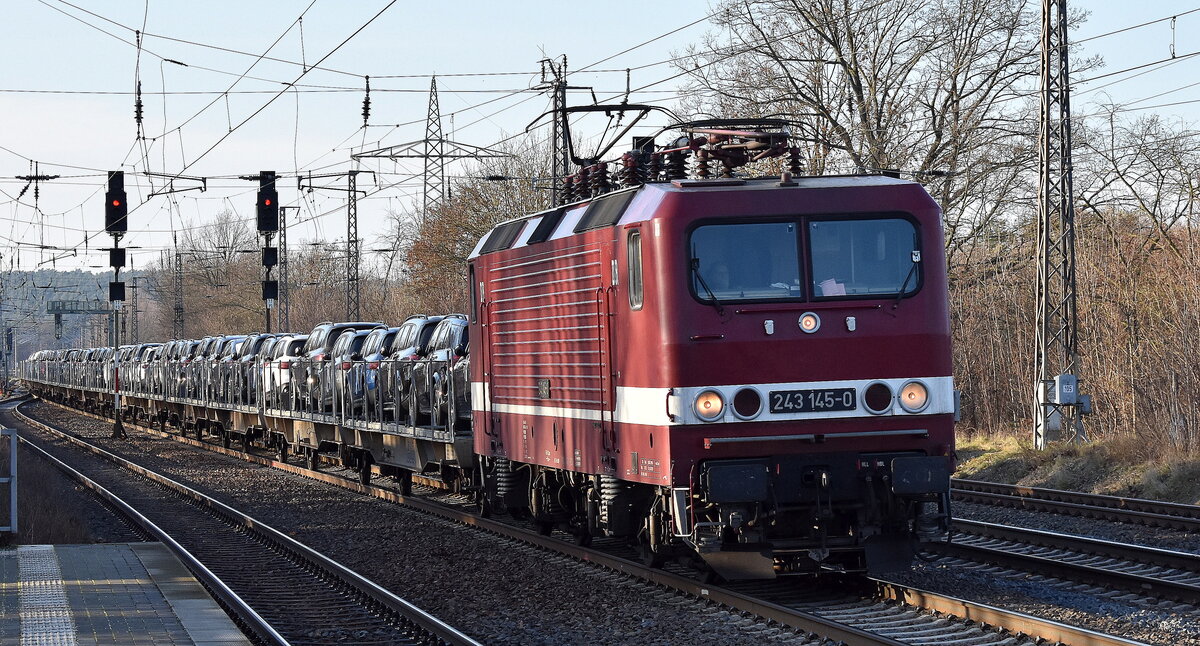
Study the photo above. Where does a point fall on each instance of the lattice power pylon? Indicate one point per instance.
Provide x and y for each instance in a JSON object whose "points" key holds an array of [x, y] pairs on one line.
{"points": [[1058, 406], [353, 243], [177, 292], [436, 150]]}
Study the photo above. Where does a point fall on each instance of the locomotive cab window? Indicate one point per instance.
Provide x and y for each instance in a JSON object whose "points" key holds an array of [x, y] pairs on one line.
{"points": [[753, 261], [863, 258], [634, 258]]}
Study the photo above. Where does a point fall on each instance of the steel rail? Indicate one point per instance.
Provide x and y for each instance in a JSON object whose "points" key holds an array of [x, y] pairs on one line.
{"points": [[1018, 555], [1044, 629], [1131, 510], [246, 615], [442, 631], [1130, 552], [1014, 622]]}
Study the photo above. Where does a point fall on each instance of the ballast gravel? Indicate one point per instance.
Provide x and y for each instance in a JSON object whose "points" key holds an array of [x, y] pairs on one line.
{"points": [[493, 589], [504, 593]]}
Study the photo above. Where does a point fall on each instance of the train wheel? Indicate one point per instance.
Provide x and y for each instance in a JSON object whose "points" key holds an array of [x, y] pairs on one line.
{"points": [[312, 459], [281, 449], [404, 480], [246, 442], [483, 504], [650, 542], [226, 439]]}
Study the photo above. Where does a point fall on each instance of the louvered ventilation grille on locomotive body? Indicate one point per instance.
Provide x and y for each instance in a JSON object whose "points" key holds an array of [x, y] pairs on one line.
{"points": [[543, 324]]}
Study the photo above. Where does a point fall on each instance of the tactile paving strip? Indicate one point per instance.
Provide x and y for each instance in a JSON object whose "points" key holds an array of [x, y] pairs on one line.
{"points": [[45, 613]]}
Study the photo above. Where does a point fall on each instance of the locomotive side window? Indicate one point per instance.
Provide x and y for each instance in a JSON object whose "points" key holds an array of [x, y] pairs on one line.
{"points": [[757, 261], [474, 294], [634, 258], [863, 257]]}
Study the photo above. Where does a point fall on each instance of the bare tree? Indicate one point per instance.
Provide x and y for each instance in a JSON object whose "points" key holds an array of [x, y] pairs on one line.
{"points": [[436, 257], [936, 88]]}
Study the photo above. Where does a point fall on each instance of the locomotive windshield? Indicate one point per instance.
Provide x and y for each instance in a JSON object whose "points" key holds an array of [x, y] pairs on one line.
{"points": [[746, 261], [762, 260], [863, 257]]}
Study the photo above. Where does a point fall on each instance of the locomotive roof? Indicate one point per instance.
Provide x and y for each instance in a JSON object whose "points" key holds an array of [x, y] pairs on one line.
{"points": [[638, 204]]}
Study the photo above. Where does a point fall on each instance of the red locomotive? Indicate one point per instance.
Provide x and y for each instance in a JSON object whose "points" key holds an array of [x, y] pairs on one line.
{"points": [[757, 371]]}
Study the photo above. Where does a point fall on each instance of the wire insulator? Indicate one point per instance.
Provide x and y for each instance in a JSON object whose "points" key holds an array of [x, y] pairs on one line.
{"points": [[794, 160], [567, 190], [734, 159], [581, 184], [702, 164], [631, 170], [366, 111], [676, 165], [656, 166], [600, 180], [137, 105]]}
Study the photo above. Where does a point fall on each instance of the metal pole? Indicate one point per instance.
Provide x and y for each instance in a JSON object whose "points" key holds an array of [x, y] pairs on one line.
{"points": [[352, 293], [133, 314], [1058, 406], [284, 291], [267, 301], [177, 322], [118, 430], [12, 485]]}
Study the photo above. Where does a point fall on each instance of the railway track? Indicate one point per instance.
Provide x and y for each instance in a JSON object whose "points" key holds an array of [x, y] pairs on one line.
{"points": [[1145, 570], [1127, 510], [279, 590], [869, 613]]}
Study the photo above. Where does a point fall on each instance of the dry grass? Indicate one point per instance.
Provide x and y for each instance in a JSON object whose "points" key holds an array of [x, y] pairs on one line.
{"points": [[1111, 465]]}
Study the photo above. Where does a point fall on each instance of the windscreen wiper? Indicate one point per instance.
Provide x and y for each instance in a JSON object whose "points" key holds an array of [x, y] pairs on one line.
{"points": [[716, 303], [916, 260]]}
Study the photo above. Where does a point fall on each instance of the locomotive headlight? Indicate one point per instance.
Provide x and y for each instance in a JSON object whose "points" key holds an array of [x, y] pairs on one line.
{"points": [[809, 322], [709, 405], [914, 397]]}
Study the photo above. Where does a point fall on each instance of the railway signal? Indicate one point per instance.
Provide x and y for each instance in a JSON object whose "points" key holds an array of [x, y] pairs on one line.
{"points": [[116, 223], [116, 209], [268, 202]]}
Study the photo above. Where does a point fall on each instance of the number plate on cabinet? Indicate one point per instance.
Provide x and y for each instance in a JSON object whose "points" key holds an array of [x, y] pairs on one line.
{"points": [[813, 401]]}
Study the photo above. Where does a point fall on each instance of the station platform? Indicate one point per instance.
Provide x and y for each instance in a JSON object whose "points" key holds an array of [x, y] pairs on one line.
{"points": [[125, 593]]}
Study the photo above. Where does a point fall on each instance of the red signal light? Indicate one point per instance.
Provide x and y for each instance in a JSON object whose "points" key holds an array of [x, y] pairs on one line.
{"points": [[267, 202], [116, 202]]}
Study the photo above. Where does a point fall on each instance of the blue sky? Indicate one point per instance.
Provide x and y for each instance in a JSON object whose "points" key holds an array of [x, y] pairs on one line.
{"points": [[80, 112]]}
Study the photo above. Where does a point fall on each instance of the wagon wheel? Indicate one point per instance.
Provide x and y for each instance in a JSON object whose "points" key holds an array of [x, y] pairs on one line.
{"points": [[364, 469], [312, 459], [281, 448]]}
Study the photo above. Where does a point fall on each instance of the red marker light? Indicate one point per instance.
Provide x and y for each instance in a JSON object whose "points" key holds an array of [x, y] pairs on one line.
{"points": [[267, 201], [116, 202]]}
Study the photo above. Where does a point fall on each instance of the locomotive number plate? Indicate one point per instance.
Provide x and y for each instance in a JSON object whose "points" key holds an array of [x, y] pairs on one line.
{"points": [[813, 401]]}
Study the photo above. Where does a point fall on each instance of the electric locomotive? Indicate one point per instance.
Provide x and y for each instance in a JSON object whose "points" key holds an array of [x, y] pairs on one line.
{"points": [[754, 371]]}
